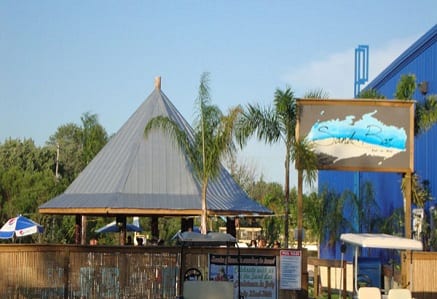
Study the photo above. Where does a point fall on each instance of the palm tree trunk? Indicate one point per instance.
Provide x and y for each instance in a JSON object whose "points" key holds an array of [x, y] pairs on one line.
{"points": [[203, 222], [287, 198], [299, 208]]}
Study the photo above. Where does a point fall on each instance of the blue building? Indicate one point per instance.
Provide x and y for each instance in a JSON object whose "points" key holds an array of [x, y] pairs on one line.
{"points": [[419, 59]]}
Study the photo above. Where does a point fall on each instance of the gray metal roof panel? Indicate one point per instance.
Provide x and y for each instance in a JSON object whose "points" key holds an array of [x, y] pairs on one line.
{"points": [[153, 173]]}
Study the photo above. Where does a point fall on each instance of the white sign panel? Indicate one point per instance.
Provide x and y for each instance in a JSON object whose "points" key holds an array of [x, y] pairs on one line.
{"points": [[257, 274], [291, 269]]}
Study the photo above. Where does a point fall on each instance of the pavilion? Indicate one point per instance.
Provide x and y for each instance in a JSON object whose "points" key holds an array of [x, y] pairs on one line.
{"points": [[134, 176]]}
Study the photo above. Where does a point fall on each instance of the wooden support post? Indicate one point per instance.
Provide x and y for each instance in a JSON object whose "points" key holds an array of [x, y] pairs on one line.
{"points": [[344, 266], [154, 227], [407, 203], [77, 230], [121, 221], [316, 281], [230, 226], [83, 230]]}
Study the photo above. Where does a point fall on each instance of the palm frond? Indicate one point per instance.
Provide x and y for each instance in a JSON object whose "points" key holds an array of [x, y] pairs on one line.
{"points": [[305, 159], [316, 94], [426, 114], [260, 121]]}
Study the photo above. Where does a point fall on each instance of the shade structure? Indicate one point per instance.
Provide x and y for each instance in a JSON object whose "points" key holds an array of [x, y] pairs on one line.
{"points": [[113, 227], [20, 226], [134, 175], [383, 241]]}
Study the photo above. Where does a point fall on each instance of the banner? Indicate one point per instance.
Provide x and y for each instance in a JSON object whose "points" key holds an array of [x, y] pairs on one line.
{"points": [[257, 274]]}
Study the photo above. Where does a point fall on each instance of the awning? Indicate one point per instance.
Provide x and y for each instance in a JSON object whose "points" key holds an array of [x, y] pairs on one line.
{"points": [[383, 241]]}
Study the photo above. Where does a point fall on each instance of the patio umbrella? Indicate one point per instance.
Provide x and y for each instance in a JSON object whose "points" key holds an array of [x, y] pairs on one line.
{"points": [[114, 228], [20, 226]]}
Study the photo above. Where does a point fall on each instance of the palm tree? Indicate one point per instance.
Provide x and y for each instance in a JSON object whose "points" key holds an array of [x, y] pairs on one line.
{"points": [[324, 216], [211, 139], [425, 117], [306, 165], [271, 125]]}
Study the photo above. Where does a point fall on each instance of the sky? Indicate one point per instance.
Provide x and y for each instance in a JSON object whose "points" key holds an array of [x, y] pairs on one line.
{"points": [[61, 59]]}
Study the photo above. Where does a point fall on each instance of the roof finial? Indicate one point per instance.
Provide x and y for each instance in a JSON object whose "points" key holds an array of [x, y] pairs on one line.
{"points": [[158, 82]]}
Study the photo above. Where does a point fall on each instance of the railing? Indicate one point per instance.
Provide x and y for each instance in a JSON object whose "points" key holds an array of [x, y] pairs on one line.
{"points": [[419, 274], [110, 272], [54, 271], [330, 266]]}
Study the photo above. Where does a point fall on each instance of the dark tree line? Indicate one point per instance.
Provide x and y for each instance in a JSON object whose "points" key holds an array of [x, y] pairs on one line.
{"points": [[31, 175]]}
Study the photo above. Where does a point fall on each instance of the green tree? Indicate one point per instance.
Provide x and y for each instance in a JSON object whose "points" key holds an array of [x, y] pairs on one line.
{"points": [[213, 134], [271, 125], [78, 144], [278, 123], [425, 117], [271, 196], [26, 179], [306, 165], [94, 136], [426, 110], [324, 216], [365, 211]]}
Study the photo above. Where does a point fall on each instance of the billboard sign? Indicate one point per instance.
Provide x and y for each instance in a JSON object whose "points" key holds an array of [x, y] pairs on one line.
{"points": [[357, 134]]}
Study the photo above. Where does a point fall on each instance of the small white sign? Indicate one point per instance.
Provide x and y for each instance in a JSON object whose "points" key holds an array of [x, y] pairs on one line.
{"points": [[291, 269]]}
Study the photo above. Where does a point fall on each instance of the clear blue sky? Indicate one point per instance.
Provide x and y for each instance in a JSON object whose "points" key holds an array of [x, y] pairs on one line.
{"points": [[60, 59]]}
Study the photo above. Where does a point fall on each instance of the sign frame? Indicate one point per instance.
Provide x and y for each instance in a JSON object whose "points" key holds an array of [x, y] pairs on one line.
{"points": [[339, 132]]}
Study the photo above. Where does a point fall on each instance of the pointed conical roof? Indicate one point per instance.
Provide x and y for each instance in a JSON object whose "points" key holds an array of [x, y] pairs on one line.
{"points": [[132, 175]]}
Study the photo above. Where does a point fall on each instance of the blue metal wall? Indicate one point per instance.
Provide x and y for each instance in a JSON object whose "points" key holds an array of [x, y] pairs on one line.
{"points": [[421, 60]]}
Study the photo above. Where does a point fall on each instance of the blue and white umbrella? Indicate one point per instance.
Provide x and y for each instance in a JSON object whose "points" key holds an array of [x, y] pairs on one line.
{"points": [[20, 226], [113, 227]]}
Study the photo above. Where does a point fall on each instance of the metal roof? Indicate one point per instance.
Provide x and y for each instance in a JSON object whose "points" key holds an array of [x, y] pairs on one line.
{"points": [[132, 175], [416, 49]]}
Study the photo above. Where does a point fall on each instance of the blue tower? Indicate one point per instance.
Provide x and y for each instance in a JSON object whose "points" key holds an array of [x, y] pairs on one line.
{"points": [[361, 67]]}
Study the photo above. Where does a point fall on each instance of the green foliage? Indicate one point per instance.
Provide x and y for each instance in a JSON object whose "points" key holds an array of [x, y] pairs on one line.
{"points": [[212, 139], [370, 94], [316, 94], [168, 227], [94, 137], [426, 114], [306, 160], [278, 122], [393, 224], [364, 212], [323, 215], [27, 176], [272, 124], [77, 145], [420, 192], [271, 196], [406, 87], [68, 138]]}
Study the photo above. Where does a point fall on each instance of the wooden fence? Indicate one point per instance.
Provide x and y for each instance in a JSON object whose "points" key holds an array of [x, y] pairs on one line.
{"points": [[330, 266], [112, 272], [419, 272], [423, 272]]}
